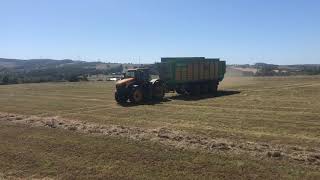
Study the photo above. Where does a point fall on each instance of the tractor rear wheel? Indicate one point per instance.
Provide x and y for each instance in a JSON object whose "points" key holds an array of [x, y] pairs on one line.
{"points": [[136, 95], [119, 98], [179, 90], [158, 92]]}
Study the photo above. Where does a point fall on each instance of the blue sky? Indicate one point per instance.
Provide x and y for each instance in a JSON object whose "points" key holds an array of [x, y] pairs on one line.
{"points": [[240, 31]]}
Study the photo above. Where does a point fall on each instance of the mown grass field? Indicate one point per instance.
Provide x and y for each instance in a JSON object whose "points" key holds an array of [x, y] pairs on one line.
{"points": [[276, 110], [50, 153]]}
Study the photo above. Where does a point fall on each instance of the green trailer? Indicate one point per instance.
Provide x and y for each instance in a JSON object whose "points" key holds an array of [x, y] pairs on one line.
{"points": [[191, 75]]}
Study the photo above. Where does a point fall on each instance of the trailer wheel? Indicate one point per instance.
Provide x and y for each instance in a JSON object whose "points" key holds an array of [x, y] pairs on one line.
{"points": [[136, 95], [179, 90], [204, 88], [213, 87], [195, 90]]}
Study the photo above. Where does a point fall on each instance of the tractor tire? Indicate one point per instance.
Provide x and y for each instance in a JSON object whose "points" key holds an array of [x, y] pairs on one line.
{"points": [[119, 98], [136, 96], [179, 91], [158, 92]]}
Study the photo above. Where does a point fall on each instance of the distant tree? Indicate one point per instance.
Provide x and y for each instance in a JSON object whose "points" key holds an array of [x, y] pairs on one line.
{"points": [[121, 68], [5, 79], [73, 78], [85, 78]]}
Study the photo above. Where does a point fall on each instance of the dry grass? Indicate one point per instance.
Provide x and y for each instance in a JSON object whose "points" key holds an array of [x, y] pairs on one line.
{"points": [[28, 152], [276, 110], [283, 110]]}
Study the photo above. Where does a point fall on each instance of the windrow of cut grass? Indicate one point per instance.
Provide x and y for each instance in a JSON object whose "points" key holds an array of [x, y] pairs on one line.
{"points": [[174, 138], [31, 153]]}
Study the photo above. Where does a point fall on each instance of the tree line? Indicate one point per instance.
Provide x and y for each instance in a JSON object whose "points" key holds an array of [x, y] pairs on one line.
{"points": [[67, 73]]}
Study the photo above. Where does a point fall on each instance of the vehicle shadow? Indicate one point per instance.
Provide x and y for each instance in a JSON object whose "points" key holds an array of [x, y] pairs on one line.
{"points": [[205, 96], [153, 102], [184, 98]]}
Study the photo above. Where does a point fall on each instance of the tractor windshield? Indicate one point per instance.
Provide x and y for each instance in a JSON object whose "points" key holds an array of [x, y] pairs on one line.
{"points": [[130, 74]]}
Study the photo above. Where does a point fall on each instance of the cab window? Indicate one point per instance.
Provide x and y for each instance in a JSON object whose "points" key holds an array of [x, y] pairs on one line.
{"points": [[130, 74]]}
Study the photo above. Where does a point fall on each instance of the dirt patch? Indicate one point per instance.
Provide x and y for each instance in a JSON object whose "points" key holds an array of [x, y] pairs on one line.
{"points": [[177, 139]]}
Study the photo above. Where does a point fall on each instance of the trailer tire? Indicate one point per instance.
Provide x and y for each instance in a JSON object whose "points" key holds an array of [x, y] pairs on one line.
{"points": [[195, 90], [179, 90], [204, 88], [213, 87]]}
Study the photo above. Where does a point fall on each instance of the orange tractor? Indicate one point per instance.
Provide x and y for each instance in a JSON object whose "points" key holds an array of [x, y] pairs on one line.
{"points": [[138, 86]]}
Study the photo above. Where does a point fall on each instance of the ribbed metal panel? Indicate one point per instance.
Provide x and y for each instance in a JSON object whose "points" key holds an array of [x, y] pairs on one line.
{"points": [[191, 69]]}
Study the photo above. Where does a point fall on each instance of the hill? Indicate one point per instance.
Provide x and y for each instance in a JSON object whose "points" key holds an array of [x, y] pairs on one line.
{"points": [[264, 69], [14, 71]]}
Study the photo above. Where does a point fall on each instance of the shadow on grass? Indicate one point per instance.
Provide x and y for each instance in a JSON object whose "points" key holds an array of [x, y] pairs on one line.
{"points": [[184, 98], [206, 96], [152, 102]]}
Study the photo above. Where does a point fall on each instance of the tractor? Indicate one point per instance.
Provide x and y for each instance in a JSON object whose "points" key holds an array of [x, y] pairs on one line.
{"points": [[137, 86]]}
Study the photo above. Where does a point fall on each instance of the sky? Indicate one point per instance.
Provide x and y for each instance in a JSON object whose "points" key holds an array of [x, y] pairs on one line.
{"points": [[143, 31]]}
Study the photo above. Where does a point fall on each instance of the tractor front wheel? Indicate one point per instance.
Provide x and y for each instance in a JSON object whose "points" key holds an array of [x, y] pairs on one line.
{"points": [[136, 95], [119, 98]]}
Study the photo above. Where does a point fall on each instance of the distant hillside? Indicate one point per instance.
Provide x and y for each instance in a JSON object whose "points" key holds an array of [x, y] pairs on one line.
{"points": [[264, 69], [233, 71], [33, 64], [43, 70], [13, 71]]}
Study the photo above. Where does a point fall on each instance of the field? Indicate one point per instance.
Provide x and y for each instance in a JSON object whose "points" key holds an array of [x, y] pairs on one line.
{"points": [[266, 127]]}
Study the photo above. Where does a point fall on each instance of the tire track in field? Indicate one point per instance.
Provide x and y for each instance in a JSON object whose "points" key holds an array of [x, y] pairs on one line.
{"points": [[174, 138], [76, 110], [283, 87], [54, 97], [69, 96], [248, 108]]}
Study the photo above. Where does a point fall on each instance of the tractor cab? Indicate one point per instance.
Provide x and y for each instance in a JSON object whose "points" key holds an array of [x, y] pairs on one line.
{"points": [[134, 77], [139, 74]]}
